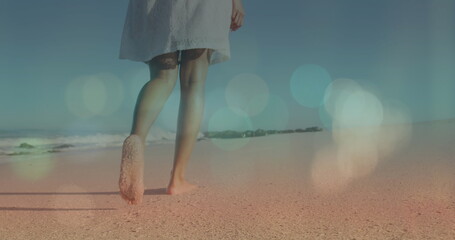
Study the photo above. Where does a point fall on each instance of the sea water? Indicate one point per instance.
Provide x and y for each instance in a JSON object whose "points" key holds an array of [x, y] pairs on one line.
{"points": [[32, 141]]}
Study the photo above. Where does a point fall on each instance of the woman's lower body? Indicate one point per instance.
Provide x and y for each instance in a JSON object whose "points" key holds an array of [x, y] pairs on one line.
{"points": [[173, 37], [164, 71]]}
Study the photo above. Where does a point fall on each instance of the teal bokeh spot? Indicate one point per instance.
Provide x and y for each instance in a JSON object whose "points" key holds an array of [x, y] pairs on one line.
{"points": [[308, 85]]}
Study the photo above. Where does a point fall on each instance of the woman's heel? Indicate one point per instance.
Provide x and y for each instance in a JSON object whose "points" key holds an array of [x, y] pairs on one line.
{"points": [[131, 181]]}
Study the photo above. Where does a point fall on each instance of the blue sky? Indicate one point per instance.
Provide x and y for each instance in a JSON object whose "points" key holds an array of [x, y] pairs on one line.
{"points": [[400, 50]]}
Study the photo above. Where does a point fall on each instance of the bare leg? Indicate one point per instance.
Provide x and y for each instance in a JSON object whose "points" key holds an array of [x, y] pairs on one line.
{"points": [[151, 99], [154, 94], [193, 72]]}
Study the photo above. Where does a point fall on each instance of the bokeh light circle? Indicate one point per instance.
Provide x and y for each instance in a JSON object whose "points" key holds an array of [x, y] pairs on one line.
{"points": [[32, 168], [98, 94], [94, 94], [359, 109], [308, 84], [336, 93], [74, 98], [248, 93], [115, 93], [31, 163]]}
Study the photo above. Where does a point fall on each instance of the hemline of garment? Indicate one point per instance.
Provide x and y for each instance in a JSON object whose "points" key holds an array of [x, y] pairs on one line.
{"points": [[222, 48]]}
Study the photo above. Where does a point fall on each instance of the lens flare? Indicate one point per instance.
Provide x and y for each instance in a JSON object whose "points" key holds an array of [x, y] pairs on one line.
{"points": [[98, 94], [358, 109], [32, 168], [32, 162], [364, 130], [336, 93], [94, 94], [214, 99], [308, 84], [115, 93], [74, 98], [248, 93]]}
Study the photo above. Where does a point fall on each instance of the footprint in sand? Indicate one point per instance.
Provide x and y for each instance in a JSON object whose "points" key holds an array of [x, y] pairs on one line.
{"points": [[132, 170]]}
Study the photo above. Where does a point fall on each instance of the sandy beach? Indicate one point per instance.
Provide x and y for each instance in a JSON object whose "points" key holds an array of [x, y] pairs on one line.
{"points": [[284, 186]]}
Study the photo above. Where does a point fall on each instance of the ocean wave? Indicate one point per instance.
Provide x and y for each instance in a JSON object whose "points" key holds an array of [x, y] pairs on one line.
{"points": [[32, 142]]}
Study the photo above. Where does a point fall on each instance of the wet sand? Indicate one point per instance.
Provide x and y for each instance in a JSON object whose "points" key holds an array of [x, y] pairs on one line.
{"points": [[286, 186]]}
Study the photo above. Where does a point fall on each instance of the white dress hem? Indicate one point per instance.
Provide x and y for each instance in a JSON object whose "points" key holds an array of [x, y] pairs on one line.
{"points": [[220, 54]]}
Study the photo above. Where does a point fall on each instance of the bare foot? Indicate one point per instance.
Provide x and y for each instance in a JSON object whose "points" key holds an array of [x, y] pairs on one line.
{"points": [[132, 170], [180, 187]]}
